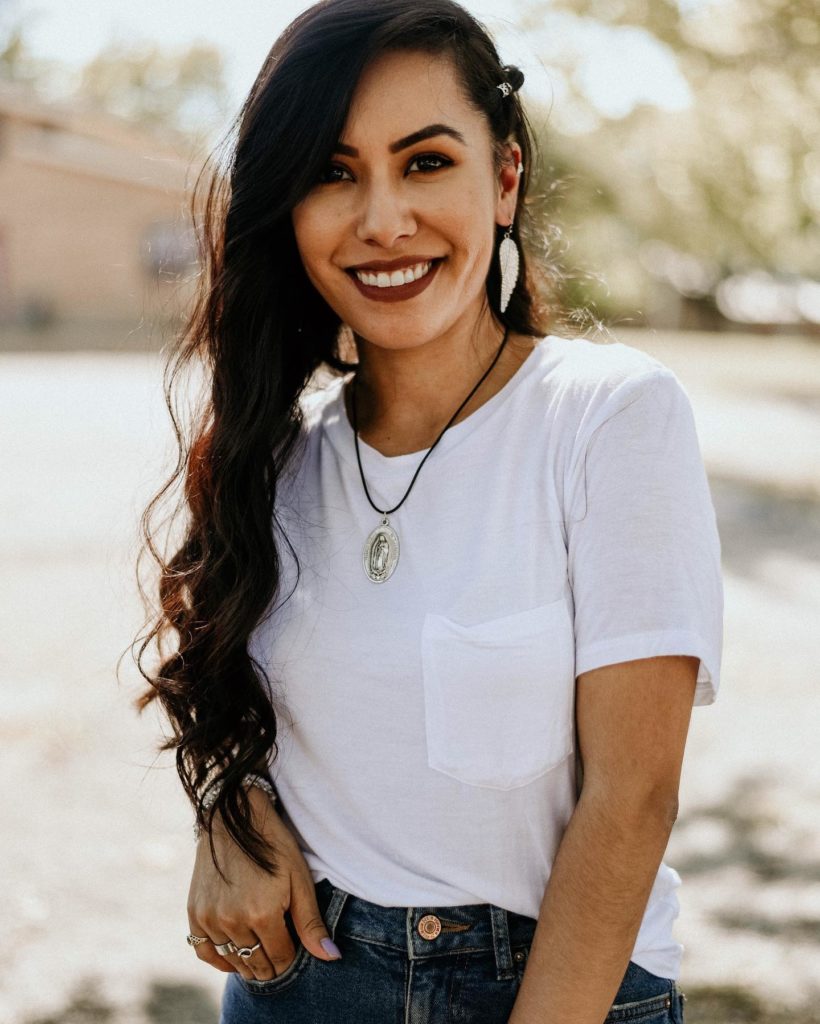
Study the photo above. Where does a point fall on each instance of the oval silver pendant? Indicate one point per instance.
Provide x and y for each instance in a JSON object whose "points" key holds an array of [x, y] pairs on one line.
{"points": [[381, 553]]}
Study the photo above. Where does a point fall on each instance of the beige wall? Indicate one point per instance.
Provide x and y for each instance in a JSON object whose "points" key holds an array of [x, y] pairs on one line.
{"points": [[74, 212]]}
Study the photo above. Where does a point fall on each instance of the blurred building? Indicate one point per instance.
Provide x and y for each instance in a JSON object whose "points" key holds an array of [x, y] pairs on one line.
{"points": [[93, 217]]}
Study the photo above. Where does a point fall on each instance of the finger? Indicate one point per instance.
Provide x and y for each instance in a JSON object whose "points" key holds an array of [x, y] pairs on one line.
{"points": [[256, 966], [308, 921], [276, 941], [205, 950]]}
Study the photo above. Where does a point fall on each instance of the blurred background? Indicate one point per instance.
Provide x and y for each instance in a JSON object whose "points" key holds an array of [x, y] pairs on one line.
{"points": [[680, 175]]}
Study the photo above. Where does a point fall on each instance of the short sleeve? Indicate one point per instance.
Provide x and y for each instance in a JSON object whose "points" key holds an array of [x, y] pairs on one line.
{"points": [[642, 538]]}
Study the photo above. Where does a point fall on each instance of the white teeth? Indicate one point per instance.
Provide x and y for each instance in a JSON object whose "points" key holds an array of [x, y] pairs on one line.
{"points": [[397, 277]]}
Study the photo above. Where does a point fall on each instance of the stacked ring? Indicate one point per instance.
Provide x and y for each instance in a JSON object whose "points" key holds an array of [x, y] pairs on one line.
{"points": [[225, 948]]}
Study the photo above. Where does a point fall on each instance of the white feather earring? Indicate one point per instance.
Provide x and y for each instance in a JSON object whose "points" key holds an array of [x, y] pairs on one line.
{"points": [[508, 260]]}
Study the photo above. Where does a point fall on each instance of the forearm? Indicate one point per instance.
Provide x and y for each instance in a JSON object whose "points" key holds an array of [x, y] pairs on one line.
{"points": [[591, 911], [260, 801]]}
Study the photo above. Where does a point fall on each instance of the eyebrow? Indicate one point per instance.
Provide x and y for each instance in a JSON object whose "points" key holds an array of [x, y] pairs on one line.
{"points": [[409, 140]]}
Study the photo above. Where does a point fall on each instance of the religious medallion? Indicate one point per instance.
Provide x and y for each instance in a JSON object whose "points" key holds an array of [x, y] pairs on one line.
{"points": [[381, 552]]}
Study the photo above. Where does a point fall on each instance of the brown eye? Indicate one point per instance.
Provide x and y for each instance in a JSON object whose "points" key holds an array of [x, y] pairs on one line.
{"points": [[438, 162], [325, 177]]}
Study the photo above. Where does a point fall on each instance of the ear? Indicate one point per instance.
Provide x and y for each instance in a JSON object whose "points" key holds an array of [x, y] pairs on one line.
{"points": [[508, 181]]}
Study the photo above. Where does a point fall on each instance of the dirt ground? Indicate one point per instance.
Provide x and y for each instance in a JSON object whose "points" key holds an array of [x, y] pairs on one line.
{"points": [[96, 849]]}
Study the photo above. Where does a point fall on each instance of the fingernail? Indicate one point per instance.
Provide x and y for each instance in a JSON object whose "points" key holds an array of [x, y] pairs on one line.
{"points": [[329, 946]]}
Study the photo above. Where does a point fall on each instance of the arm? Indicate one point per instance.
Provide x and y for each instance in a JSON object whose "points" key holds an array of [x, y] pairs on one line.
{"points": [[260, 801], [633, 718], [258, 798]]}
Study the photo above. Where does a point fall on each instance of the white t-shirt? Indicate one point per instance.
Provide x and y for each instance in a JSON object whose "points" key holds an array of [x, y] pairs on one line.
{"points": [[426, 723]]}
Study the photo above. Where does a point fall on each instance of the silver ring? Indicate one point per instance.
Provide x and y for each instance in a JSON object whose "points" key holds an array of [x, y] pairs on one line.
{"points": [[246, 952], [225, 948], [195, 940]]}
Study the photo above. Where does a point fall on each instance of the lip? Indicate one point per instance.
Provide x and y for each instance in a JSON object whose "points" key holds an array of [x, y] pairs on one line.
{"points": [[400, 291]]}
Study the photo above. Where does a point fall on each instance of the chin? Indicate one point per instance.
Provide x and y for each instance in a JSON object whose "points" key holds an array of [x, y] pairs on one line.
{"points": [[397, 335]]}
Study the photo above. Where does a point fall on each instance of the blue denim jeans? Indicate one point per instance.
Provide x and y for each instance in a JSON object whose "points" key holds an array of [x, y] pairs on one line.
{"points": [[419, 965]]}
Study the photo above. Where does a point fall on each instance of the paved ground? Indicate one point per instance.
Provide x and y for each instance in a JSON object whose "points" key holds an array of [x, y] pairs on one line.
{"points": [[95, 852]]}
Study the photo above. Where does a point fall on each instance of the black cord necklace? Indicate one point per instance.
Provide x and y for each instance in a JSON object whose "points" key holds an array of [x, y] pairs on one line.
{"points": [[381, 549]]}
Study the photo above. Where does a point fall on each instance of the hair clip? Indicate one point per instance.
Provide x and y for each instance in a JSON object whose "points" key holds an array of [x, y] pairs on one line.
{"points": [[505, 88]]}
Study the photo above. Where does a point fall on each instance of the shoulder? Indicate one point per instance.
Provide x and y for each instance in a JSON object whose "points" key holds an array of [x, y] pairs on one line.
{"points": [[631, 436], [592, 381], [320, 396], [315, 403], [586, 368]]}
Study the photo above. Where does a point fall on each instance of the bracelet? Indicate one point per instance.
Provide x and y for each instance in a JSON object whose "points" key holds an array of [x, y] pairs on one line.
{"points": [[213, 793]]}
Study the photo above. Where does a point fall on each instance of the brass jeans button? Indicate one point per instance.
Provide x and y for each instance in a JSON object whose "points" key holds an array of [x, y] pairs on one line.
{"points": [[429, 926]]}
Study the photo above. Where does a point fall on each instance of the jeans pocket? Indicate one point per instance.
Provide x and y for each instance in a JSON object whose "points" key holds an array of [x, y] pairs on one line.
{"points": [[294, 970], [652, 1010]]}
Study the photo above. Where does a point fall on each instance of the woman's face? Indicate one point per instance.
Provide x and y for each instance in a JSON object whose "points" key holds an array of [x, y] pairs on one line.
{"points": [[388, 201]]}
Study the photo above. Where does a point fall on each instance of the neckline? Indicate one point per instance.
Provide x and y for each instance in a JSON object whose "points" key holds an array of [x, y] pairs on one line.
{"points": [[340, 428]]}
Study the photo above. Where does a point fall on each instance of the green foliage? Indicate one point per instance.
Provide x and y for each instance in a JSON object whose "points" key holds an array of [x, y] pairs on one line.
{"points": [[184, 90], [734, 181]]}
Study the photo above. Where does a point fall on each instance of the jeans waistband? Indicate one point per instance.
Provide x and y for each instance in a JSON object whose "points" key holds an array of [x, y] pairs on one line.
{"points": [[425, 932]]}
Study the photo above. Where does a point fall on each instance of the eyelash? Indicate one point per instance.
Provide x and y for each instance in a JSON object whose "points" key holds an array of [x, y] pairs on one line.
{"points": [[444, 162]]}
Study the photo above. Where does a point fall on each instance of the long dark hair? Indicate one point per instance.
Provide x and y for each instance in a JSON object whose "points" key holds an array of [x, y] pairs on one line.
{"points": [[258, 331]]}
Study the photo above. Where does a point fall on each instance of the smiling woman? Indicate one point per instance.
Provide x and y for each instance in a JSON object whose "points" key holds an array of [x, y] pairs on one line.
{"points": [[439, 623], [432, 193]]}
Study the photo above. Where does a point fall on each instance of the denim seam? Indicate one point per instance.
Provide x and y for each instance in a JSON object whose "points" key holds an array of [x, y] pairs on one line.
{"points": [[639, 1008], [408, 990], [418, 956], [501, 944], [455, 988], [336, 905]]}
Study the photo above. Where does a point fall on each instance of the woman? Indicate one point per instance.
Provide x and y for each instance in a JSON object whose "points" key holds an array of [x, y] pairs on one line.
{"points": [[493, 563]]}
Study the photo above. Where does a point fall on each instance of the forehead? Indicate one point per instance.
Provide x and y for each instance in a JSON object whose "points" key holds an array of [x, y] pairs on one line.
{"points": [[399, 92]]}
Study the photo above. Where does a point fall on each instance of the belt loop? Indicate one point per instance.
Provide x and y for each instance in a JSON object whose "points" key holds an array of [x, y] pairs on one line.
{"points": [[501, 943], [334, 909]]}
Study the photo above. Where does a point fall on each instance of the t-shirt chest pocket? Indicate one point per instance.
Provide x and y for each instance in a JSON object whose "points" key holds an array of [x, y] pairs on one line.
{"points": [[498, 695]]}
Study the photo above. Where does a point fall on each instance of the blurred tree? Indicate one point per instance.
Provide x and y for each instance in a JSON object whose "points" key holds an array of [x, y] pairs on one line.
{"points": [[12, 55], [729, 184], [17, 63], [184, 90]]}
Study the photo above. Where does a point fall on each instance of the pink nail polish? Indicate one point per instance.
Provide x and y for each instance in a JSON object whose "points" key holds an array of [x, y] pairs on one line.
{"points": [[329, 946]]}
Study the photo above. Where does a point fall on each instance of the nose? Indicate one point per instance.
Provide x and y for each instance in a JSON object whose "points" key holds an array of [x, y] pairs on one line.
{"points": [[385, 215]]}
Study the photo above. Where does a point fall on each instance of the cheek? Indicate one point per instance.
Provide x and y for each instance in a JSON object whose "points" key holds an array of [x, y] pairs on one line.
{"points": [[468, 220], [472, 237], [311, 232]]}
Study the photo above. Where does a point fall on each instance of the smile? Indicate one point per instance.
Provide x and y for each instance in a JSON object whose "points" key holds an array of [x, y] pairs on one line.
{"points": [[395, 285], [381, 279]]}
